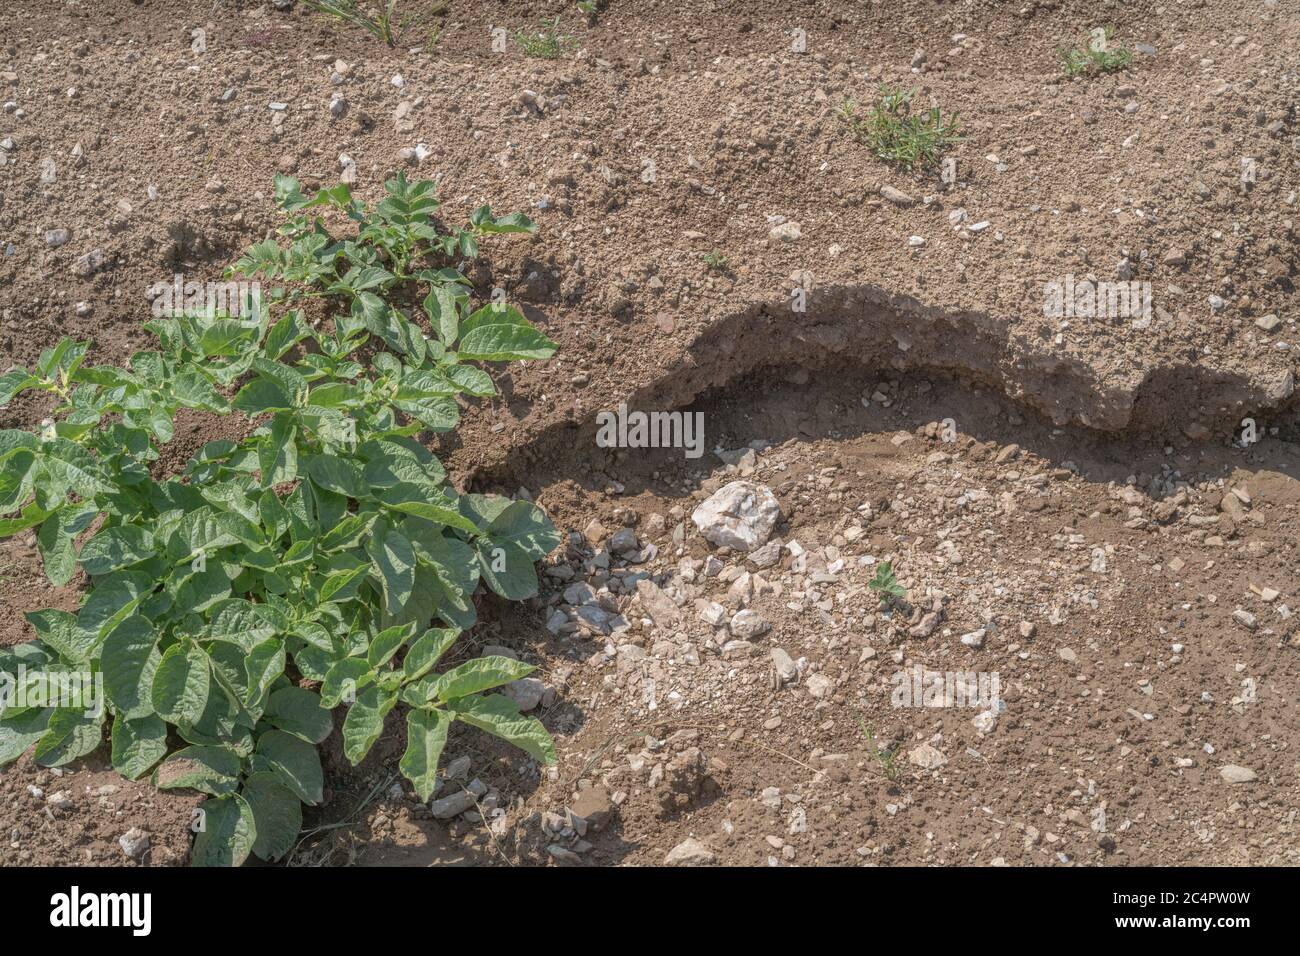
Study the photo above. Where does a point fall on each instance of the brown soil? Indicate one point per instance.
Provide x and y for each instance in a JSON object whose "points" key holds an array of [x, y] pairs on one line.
{"points": [[1125, 431]]}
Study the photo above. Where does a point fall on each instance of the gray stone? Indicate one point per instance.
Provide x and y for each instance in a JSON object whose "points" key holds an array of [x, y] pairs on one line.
{"points": [[739, 515], [691, 852]]}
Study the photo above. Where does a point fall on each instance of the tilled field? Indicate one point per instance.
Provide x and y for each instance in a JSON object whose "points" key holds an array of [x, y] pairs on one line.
{"points": [[1068, 501]]}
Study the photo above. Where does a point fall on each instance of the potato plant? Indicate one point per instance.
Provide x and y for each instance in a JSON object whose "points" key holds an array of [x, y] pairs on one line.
{"points": [[325, 549]]}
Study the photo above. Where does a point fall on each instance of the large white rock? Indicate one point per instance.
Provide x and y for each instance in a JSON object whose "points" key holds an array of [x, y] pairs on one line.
{"points": [[739, 515]]}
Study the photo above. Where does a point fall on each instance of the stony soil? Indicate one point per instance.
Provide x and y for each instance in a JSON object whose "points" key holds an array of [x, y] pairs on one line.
{"points": [[1093, 516]]}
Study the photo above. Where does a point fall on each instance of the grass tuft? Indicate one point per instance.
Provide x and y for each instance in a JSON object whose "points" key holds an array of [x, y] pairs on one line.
{"points": [[897, 133]]}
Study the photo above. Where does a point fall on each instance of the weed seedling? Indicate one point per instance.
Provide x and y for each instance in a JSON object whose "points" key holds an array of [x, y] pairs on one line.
{"points": [[715, 261], [1095, 56], [547, 43], [897, 133], [885, 584], [885, 757], [379, 24]]}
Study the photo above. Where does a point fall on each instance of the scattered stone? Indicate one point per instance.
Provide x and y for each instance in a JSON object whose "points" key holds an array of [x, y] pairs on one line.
{"points": [[749, 624], [927, 757], [897, 196], [134, 843], [786, 232], [594, 806], [1244, 618], [691, 852], [820, 686], [739, 515], [658, 605], [1237, 775], [786, 668]]}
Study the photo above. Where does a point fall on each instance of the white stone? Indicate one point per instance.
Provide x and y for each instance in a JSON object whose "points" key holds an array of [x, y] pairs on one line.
{"points": [[739, 515]]}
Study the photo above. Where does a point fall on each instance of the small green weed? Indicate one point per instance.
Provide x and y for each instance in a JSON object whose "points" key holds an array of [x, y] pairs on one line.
{"points": [[898, 134], [1095, 56], [885, 584], [715, 261], [379, 24], [886, 757], [547, 43]]}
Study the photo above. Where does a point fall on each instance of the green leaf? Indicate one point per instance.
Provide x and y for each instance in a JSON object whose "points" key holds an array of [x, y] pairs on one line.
{"points": [[14, 381], [224, 338], [55, 543], [114, 548], [300, 713], [394, 560], [426, 735], [71, 735], [264, 665], [339, 475], [295, 762], [129, 661], [480, 674], [426, 651], [387, 642], [527, 526], [262, 395], [58, 629], [213, 770], [113, 600], [499, 716], [500, 334], [18, 733], [228, 832], [138, 744], [506, 569], [277, 813], [180, 685], [349, 674], [365, 722]]}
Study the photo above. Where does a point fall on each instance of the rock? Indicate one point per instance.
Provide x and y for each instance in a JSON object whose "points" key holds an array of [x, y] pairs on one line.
{"points": [[897, 196], [623, 541], [658, 605], [683, 778], [974, 638], [925, 627], [713, 614], [786, 232], [737, 650], [87, 265], [691, 852], [57, 237], [1244, 618], [1237, 775], [1266, 322], [135, 843], [739, 515], [455, 804], [926, 757], [594, 806], [820, 686], [985, 721], [749, 624], [527, 692], [766, 556], [785, 666]]}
